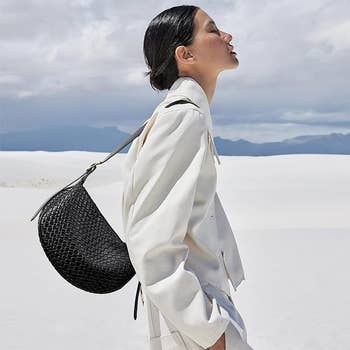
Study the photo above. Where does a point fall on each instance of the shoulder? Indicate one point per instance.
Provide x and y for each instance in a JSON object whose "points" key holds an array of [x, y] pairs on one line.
{"points": [[166, 105], [181, 115]]}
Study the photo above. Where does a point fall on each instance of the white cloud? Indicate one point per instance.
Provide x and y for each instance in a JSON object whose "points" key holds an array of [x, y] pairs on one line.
{"points": [[271, 132], [308, 116], [336, 36], [294, 57], [8, 79]]}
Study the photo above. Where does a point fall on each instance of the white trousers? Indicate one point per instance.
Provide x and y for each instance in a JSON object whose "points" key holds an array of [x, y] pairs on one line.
{"points": [[164, 336]]}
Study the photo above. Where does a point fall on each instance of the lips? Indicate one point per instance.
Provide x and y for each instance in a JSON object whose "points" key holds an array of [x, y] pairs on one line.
{"points": [[231, 50]]}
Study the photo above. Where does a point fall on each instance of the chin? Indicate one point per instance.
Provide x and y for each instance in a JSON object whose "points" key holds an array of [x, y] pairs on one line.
{"points": [[233, 65]]}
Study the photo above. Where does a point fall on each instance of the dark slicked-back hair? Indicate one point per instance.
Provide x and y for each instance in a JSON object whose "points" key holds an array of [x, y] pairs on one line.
{"points": [[168, 30]]}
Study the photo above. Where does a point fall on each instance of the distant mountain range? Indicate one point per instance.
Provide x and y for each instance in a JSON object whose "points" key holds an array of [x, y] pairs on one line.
{"points": [[106, 139], [334, 143]]}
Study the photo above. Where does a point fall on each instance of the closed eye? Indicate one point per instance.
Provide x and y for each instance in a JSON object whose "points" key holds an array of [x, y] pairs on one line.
{"points": [[215, 31]]}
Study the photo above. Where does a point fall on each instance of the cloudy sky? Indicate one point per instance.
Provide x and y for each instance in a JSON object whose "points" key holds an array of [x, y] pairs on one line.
{"points": [[80, 62]]}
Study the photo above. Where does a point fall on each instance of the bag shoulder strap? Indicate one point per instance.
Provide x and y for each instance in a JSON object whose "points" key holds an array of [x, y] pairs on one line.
{"points": [[93, 166], [138, 131]]}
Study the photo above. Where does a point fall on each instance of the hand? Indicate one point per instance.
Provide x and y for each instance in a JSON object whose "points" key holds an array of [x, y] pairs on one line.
{"points": [[220, 343]]}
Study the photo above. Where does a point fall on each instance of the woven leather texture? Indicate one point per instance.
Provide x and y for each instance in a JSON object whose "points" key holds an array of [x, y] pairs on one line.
{"points": [[80, 243]]}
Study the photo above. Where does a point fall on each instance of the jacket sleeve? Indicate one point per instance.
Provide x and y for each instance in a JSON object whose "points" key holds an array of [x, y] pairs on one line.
{"points": [[164, 186]]}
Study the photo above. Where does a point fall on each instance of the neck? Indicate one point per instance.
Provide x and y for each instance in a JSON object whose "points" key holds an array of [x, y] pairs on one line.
{"points": [[208, 84]]}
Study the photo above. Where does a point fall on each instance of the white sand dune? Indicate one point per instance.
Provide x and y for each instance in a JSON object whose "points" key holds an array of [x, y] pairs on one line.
{"points": [[291, 222]]}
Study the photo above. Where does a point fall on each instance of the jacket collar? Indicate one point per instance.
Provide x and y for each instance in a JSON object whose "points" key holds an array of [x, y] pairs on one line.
{"points": [[190, 88]]}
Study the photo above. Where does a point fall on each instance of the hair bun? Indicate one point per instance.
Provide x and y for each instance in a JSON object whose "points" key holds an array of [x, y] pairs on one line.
{"points": [[158, 80]]}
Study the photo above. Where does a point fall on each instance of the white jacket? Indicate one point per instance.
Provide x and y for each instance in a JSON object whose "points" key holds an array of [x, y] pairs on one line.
{"points": [[179, 239]]}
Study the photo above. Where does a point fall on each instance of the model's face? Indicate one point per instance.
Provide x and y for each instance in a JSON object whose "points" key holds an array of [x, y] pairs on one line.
{"points": [[211, 47]]}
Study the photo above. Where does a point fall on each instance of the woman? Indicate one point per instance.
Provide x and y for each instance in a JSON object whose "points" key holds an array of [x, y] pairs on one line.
{"points": [[178, 236]]}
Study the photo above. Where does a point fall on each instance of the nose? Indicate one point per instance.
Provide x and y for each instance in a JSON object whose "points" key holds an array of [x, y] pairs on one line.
{"points": [[227, 37]]}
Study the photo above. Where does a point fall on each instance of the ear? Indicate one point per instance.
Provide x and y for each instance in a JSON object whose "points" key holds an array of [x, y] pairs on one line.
{"points": [[184, 55]]}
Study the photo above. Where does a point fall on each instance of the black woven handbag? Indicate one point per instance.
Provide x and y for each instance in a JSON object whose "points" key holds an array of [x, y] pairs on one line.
{"points": [[78, 240]]}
